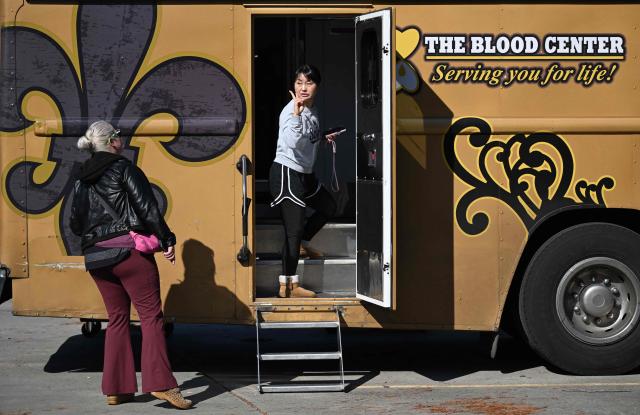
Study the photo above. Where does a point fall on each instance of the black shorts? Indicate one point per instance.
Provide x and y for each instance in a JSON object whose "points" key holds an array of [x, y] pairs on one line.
{"points": [[286, 183]]}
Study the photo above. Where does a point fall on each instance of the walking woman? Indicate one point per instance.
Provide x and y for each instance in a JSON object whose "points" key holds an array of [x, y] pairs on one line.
{"points": [[292, 182], [112, 197]]}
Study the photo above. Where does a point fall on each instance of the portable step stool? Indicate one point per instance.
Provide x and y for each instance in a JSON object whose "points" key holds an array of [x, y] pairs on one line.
{"points": [[290, 387]]}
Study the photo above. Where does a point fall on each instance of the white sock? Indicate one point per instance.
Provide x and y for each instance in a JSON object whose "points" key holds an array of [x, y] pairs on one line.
{"points": [[295, 279], [282, 279]]}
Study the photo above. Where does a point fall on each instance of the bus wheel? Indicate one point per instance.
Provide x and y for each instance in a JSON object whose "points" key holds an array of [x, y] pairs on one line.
{"points": [[579, 300], [91, 328]]}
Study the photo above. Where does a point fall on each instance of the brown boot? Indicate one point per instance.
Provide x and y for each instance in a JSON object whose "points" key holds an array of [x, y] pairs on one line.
{"points": [[311, 253], [297, 291], [174, 397], [120, 398], [283, 292], [285, 289]]}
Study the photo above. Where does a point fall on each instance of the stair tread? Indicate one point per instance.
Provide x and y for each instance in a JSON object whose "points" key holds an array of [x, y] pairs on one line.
{"points": [[301, 356], [334, 240], [297, 324], [321, 261], [276, 256], [333, 225], [265, 294], [337, 387]]}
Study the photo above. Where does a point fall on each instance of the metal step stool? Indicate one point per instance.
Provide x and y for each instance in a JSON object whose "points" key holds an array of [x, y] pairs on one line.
{"points": [[290, 387]]}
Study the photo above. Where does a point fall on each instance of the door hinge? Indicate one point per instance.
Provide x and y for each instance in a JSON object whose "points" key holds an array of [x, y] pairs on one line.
{"points": [[385, 49], [386, 267]]}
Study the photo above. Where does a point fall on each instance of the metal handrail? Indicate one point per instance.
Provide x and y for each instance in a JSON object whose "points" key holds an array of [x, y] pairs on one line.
{"points": [[245, 168]]}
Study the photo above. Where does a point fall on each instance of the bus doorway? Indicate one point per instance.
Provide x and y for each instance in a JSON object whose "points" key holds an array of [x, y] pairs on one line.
{"points": [[280, 45]]}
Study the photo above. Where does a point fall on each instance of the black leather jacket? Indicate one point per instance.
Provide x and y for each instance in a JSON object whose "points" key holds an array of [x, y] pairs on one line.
{"points": [[126, 189]]}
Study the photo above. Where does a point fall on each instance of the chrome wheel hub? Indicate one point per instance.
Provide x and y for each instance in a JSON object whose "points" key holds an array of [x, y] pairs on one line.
{"points": [[597, 300]]}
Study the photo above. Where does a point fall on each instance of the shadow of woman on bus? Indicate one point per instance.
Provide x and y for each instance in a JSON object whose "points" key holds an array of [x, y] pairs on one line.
{"points": [[197, 298]]}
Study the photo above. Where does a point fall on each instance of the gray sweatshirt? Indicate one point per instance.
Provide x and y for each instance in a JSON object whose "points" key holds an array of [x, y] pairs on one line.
{"points": [[298, 138]]}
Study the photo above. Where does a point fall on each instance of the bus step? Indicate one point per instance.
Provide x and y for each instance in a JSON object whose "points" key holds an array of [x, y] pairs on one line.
{"points": [[334, 240], [300, 325], [337, 387], [275, 325], [318, 275], [301, 356]]}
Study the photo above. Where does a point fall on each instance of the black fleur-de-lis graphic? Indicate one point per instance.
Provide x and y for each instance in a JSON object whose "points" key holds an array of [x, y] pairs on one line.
{"points": [[112, 43], [526, 166]]}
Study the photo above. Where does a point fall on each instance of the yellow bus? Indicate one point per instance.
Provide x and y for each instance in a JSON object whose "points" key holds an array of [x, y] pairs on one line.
{"points": [[487, 178]]}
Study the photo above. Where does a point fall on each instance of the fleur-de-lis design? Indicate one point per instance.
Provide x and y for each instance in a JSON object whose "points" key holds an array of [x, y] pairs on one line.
{"points": [[112, 41], [523, 162]]}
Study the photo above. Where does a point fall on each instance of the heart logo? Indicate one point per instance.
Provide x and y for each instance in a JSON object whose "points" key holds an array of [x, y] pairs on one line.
{"points": [[407, 41]]}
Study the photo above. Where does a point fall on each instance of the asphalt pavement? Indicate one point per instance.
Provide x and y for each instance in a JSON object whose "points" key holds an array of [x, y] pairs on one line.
{"points": [[48, 367]]}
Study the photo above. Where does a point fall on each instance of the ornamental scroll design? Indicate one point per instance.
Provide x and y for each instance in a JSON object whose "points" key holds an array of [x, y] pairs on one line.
{"points": [[112, 42], [536, 183]]}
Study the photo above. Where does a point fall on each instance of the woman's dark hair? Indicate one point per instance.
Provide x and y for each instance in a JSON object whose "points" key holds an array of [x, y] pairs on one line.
{"points": [[310, 72]]}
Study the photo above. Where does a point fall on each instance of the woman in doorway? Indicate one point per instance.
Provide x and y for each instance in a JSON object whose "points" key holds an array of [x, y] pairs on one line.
{"points": [[292, 182], [112, 196]]}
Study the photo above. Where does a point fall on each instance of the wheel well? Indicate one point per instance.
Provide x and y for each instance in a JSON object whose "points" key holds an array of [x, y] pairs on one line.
{"points": [[545, 229]]}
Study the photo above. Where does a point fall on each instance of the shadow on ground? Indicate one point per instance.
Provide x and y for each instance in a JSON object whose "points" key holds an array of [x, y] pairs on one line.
{"points": [[223, 357]]}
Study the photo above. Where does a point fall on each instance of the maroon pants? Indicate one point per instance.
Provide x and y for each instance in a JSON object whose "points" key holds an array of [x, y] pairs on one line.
{"points": [[133, 280]]}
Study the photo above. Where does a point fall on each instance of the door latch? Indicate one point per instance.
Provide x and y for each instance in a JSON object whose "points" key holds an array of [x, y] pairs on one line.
{"points": [[370, 141]]}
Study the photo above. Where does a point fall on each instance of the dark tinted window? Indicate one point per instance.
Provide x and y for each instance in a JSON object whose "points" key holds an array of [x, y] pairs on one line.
{"points": [[370, 69]]}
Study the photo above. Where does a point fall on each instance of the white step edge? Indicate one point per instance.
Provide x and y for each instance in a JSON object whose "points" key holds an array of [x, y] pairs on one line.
{"points": [[268, 226], [328, 261], [303, 388], [301, 356], [299, 325]]}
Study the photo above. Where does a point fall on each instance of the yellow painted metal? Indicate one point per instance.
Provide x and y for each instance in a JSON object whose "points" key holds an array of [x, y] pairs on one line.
{"points": [[445, 278]]}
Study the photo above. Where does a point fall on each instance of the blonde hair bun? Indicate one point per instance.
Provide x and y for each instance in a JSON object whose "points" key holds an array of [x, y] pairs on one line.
{"points": [[97, 138], [84, 143]]}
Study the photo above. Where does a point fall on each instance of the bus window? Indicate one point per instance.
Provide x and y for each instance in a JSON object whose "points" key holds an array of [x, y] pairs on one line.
{"points": [[370, 69]]}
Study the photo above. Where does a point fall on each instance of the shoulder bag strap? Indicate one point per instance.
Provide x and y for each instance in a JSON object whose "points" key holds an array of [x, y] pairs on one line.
{"points": [[105, 205]]}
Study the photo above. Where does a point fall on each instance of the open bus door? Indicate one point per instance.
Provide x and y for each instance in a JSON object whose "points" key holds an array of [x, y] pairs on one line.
{"points": [[375, 129]]}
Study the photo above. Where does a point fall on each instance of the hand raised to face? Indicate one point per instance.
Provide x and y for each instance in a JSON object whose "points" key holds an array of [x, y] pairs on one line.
{"points": [[298, 104]]}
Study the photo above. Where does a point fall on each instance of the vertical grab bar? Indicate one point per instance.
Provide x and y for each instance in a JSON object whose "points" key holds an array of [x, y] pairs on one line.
{"points": [[4, 275], [245, 168]]}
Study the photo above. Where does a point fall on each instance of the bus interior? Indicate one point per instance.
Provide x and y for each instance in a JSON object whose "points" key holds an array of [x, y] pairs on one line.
{"points": [[280, 45]]}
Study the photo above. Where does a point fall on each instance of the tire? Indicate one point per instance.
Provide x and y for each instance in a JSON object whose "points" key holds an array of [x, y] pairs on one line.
{"points": [[91, 328], [584, 266]]}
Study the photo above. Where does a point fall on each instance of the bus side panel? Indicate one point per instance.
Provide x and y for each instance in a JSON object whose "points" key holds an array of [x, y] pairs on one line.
{"points": [[13, 226], [242, 67], [461, 231], [173, 93]]}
